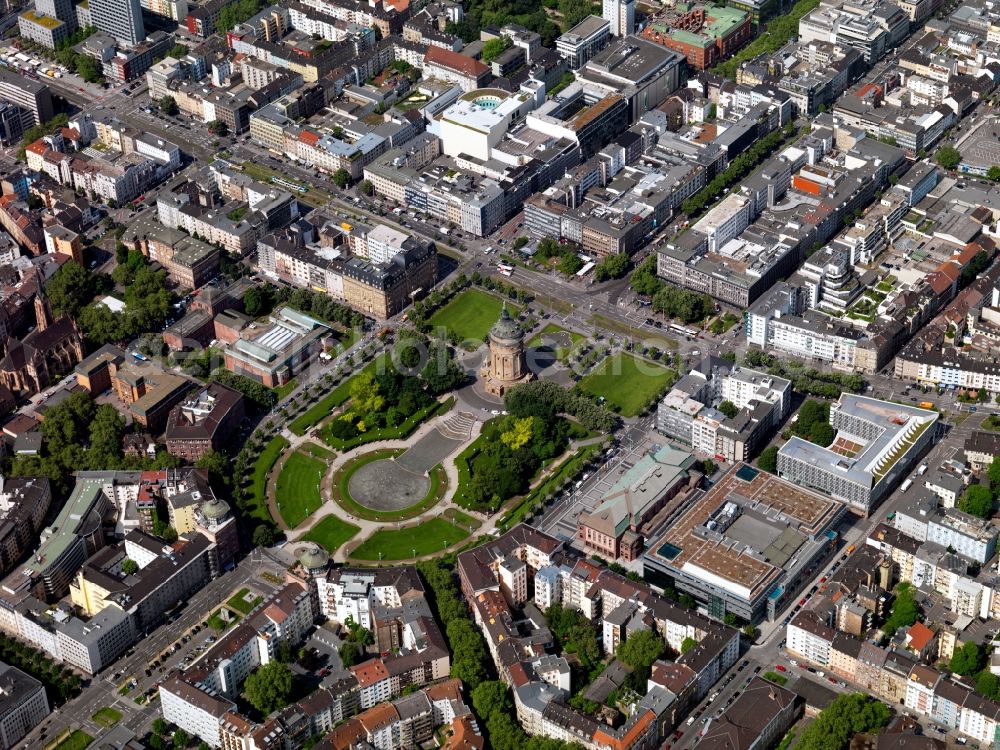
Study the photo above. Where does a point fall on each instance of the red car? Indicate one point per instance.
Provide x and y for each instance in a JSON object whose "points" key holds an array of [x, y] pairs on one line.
{"points": [[831, 679], [780, 668], [802, 602], [823, 579]]}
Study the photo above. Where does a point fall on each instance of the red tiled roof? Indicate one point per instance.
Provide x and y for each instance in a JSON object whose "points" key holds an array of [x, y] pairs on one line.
{"points": [[370, 672], [454, 61], [919, 635], [463, 735]]}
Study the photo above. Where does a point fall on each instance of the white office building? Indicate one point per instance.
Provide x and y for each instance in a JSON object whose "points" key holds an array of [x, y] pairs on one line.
{"points": [[621, 15], [121, 19], [876, 444], [726, 221]]}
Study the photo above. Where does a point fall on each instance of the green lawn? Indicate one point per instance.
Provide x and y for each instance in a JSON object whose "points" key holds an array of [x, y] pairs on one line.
{"points": [[322, 408], [462, 519], [426, 538], [238, 602], [470, 315], [331, 532], [627, 383], [341, 480], [284, 390], [216, 622], [316, 451], [561, 352], [77, 740], [258, 478], [297, 491], [107, 717]]}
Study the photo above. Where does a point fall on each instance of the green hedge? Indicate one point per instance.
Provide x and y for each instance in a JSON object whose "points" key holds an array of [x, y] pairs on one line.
{"points": [[258, 479], [399, 432]]}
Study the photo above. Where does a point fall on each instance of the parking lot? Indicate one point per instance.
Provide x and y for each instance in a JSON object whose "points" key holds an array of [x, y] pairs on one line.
{"points": [[981, 146]]}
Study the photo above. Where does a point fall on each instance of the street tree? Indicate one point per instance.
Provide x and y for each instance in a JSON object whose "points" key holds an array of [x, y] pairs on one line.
{"points": [[949, 157]]}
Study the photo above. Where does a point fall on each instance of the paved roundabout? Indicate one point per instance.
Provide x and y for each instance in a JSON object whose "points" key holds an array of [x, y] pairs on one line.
{"points": [[387, 485]]}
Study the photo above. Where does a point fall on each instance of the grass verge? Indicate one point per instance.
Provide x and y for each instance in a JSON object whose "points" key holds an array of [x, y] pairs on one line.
{"points": [[75, 740], [331, 532], [322, 408], [565, 470], [258, 478], [633, 332], [284, 390], [316, 451], [107, 717], [433, 535], [297, 492], [238, 602]]}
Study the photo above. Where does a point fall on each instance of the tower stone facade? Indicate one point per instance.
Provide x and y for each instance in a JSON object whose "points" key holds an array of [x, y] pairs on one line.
{"points": [[506, 366]]}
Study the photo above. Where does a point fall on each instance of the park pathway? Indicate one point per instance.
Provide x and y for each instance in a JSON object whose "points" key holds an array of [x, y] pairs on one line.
{"points": [[460, 428]]}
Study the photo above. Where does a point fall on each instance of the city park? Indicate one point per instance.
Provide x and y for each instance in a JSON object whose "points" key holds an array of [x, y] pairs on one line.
{"points": [[428, 446]]}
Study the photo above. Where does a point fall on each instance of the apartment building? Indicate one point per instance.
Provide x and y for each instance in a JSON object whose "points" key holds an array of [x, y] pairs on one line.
{"points": [[24, 504], [619, 605], [689, 411], [377, 273]]}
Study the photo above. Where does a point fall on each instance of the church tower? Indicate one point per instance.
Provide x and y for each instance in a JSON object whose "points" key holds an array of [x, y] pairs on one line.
{"points": [[43, 311]]}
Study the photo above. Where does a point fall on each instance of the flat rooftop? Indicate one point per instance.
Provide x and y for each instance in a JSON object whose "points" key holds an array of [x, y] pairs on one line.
{"points": [[587, 27], [747, 556], [56, 538], [630, 59], [890, 429]]}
